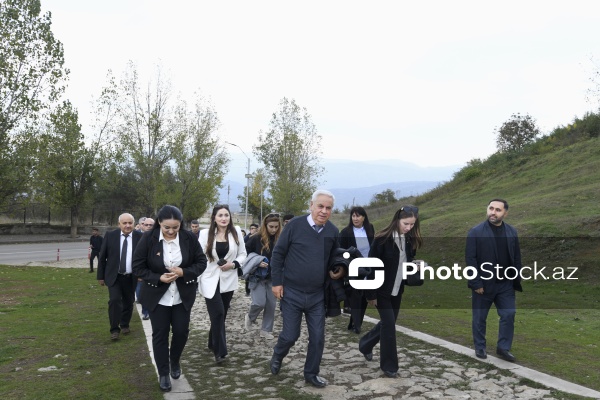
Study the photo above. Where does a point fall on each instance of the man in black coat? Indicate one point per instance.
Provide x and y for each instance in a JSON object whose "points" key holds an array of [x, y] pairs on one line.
{"points": [[115, 271], [493, 250]]}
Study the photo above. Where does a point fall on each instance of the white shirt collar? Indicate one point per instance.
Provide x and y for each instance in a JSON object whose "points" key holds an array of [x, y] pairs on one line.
{"points": [[161, 237]]}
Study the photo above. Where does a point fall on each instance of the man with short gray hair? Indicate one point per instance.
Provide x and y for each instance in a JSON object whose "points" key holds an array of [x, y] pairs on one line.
{"points": [[300, 263], [115, 272]]}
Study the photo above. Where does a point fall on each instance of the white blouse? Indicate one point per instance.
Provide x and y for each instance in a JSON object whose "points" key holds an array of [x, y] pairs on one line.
{"points": [[172, 258]]}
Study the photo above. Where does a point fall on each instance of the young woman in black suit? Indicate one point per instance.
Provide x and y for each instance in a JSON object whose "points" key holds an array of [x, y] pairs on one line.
{"points": [[395, 244], [169, 259], [359, 233]]}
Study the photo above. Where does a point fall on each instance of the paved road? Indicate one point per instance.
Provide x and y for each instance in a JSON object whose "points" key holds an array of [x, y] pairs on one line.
{"points": [[20, 254]]}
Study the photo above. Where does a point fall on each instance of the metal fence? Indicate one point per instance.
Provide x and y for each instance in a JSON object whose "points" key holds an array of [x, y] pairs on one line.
{"points": [[39, 213]]}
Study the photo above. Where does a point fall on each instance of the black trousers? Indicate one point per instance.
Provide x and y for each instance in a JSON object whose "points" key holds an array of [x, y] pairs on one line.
{"points": [[358, 305], [384, 333], [163, 318], [217, 311], [93, 254], [121, 296]]}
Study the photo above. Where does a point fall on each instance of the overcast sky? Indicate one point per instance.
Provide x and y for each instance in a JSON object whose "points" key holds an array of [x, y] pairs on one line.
{"points": [[425, 82]]}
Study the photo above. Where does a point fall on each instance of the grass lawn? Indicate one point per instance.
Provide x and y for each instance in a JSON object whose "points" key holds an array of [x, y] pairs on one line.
{"points": [[55, 317]]}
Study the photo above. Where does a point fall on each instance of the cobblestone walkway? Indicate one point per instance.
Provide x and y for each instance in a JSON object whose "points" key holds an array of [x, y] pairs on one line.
{"points": [[426, 371]]}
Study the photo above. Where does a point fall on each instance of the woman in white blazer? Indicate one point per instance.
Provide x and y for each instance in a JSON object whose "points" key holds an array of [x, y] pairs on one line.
{"points": [[224, 247]]}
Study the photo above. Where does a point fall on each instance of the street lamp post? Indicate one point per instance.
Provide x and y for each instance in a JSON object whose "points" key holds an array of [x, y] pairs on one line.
{"points": [[248, 176]]}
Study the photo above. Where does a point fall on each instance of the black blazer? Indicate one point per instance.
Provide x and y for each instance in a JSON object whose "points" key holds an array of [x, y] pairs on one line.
{"points": [[347, 238], [481, 248], [110, 255], [149, 265], [387, 251]]}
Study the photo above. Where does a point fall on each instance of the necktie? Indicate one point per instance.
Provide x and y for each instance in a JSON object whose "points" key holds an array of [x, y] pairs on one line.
{"points": [[317, 228], [123, 262]]}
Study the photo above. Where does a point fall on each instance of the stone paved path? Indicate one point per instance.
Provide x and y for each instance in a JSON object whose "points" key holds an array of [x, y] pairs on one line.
{"points": [[426, 371]]}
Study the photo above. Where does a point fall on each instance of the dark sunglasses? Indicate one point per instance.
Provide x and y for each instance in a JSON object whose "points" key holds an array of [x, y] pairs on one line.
{"points": [[274, 215], [410, 210]]}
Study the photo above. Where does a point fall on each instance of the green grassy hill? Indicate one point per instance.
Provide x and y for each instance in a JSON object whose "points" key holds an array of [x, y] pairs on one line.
{"points": [[553, 189]]}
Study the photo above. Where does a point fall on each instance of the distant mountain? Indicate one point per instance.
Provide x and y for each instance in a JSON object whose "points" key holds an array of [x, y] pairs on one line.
{"points": [[362, 174], [354, 182], [363, 196]]}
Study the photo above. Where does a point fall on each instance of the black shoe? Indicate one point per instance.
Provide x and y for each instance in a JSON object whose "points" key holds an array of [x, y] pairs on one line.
{"points": [[356, 330], [390, 374], [368, 356], [146, 317], [316, 381], [275, 365], [165, 383], [219, 359], [175, 370], [481, 353], [505, 354]]}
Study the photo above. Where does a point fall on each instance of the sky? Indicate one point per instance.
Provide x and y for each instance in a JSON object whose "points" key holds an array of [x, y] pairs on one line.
{"points": [[426, 82]]}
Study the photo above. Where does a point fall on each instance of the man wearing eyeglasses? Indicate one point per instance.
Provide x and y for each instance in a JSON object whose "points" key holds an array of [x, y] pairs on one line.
{"points": [[493, 249], [299, 270], [140, 225], [147, 224]]}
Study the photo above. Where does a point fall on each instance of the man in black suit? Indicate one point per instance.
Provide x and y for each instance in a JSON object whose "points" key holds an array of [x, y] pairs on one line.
{"points": [[95, 246], [114, 271], [493, 249]]}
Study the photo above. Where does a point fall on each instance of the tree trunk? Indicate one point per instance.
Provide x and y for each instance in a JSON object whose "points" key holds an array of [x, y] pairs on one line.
{"points": [[74, 221]]}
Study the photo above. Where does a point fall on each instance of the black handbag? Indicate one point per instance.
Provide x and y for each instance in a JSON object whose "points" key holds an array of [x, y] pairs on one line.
{"points": [[414, 280]]}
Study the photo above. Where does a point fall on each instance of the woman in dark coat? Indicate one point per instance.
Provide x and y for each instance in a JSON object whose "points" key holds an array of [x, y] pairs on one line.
{"points": [[169, 260], [359, 233], [394, 245]]}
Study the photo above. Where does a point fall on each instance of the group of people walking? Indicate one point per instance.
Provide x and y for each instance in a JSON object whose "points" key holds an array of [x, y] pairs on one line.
{"points": [[292, 265]]}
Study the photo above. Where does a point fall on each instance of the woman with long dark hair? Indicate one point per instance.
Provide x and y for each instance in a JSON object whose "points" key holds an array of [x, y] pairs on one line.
{"points": [[169, 259], [358, 233], [394, 245], [223, 244], [260, 249]]}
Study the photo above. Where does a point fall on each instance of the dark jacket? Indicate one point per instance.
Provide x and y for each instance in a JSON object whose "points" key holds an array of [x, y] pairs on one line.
{"points": [[481, 248], [386, 250], [149, 265], [347, 238], [110, 255], [334, 288]]}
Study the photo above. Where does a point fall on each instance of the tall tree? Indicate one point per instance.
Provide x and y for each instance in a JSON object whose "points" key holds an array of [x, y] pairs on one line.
{"points": [[68, 168], [148, 132], [290, 154], [515, 133], [31, 77], [200, 162]]}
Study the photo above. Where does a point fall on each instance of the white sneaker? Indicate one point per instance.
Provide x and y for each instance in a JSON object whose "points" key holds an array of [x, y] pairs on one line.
{"points": [[247, 322], [266, 335]]}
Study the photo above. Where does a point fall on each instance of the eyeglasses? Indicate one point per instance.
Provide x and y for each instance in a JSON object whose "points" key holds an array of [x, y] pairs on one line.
{"points": [[410, 210], [148, 224], [274, 215]]}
